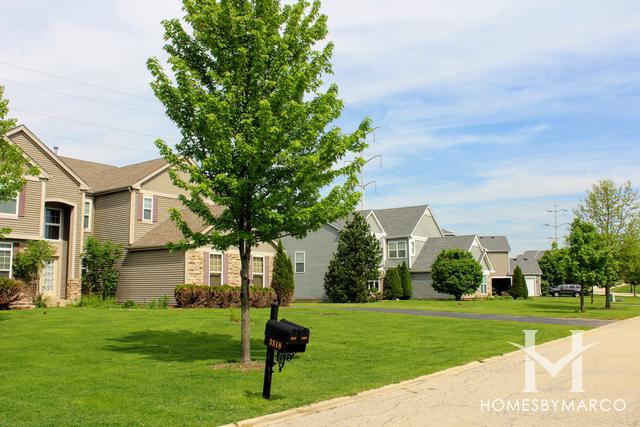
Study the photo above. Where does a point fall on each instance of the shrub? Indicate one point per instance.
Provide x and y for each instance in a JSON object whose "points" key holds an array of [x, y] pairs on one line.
{"points": [[96, 301], [40, 300], [456, 273], [283, 278], [100, 260], [161, 303], [392, 284], [129, 304], [31, 260], [405, 280], [200, 296], [9, 292], [518, 287]]}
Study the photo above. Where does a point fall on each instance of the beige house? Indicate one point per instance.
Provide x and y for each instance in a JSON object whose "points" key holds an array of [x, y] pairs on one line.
{"points": [[497, 248], [72, 199]]}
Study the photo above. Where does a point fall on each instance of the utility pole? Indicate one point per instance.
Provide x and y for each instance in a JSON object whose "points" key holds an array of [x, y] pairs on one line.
{"points": [[363, 183], [555, 211]]}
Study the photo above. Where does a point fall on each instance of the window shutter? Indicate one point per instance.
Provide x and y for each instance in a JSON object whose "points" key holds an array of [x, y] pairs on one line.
{"points": [[22, 201], [267, 278], [140, 201], [205, 279], [225, 268], [155, 209]]}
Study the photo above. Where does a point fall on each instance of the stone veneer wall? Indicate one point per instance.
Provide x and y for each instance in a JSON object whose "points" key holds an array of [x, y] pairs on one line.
{"points": [[194, 274]]}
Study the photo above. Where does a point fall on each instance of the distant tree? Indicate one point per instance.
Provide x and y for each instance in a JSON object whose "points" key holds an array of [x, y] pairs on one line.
{"points": [[392, 284], [30, 261], [630, 263], [456, 273], [405, 278], [100, 262], [13, 165], [519, 285], [257, 120], [592, 259], [355, 262], [283, 277], [556, 266]]}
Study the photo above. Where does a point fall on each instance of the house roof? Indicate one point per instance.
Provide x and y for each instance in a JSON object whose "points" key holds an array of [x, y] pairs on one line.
{"points": [[435, 245], [168, 231], [495, 243], [528, 263], [449, 232], [398, 222], [102, 177]]}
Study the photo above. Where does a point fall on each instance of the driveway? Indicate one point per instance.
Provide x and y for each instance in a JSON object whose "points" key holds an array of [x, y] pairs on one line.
{"points": [[478, 394]]}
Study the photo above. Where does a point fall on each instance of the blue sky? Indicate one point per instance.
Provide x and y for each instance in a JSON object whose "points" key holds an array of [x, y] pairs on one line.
{"points": [[491, 111]]}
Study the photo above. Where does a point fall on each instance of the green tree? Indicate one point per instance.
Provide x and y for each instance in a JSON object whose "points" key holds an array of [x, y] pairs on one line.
{"points": [[247, 92], [519, 286], [456, 273], [630, 263], [13, 166], [405, 278], [30, 261], [392, 284], [100, 261], [592, 259], [355, 262], [556, 266], [283, 277]]}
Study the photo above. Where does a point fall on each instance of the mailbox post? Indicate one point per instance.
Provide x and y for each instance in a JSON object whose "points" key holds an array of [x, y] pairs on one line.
{"points": [[287, 338]]}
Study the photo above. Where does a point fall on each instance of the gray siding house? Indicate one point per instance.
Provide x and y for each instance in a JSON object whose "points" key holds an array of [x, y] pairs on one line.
{"points": [[528, 263]]}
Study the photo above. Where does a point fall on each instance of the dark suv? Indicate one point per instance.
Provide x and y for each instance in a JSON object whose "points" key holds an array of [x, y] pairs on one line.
{"points": [[569, 289]]}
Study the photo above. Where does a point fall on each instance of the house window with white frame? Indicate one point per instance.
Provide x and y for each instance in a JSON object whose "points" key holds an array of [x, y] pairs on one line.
{"points": [[147, 209], [9, 207], [215, 269], [483, 285], [258, 271], [397, 249], [6, 259], [86, 218], [300, 261], [52, 224], [373, 285]]}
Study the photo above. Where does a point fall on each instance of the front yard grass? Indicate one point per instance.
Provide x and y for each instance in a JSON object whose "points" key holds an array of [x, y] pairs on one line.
{"points": [[82, 366], [564, 307]]}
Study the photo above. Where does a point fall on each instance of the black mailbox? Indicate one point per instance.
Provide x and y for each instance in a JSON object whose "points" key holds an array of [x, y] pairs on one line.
{"points": [[285, 336]]}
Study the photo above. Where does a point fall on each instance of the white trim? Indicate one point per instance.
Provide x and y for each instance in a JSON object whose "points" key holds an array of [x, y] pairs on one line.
{"points": [[12, 215], [42, 175], [42, 146], [304, 262], [406, 249], [150, 220], [89, 227], [254, 273], [429, 211], [221, 267], [43, 196], [384, 232], [133, 217], [10, 248], [61, 231]]}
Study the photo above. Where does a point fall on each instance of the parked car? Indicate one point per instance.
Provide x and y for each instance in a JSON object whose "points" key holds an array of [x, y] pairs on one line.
{"points": [[567, 289]]}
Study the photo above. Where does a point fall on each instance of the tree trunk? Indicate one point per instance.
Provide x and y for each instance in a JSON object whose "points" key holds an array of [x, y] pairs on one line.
{"points": [[245, 334], [592, 291], [607, 294], [581, 302], [634, 290]]}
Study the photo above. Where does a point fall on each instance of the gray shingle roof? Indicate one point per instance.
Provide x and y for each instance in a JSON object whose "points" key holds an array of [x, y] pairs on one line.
{"points": [[398, 222], [435, 245], [495, 243], [528, 263], [102, 177]]}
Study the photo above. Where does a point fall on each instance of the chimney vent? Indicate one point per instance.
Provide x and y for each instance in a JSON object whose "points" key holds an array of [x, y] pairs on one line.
{"points": [[55, 150]]}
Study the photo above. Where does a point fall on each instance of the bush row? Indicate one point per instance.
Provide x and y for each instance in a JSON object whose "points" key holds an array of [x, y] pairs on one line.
{"points": [[199, 296], [9, 292]]}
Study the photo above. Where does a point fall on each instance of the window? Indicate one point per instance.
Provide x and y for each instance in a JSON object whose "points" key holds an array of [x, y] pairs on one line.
{"points": [[413, 248], [373, 285], [300, 262], [215, 269], [52, 224], [88, 204], [6, 259], [9, 207], [147, 209], [258, 271], [483, 285], [397, 249]]}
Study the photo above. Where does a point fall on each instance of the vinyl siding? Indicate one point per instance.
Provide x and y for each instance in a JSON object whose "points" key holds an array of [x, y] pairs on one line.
{"points": [[164, 204], [422, 287], [419, 245], [162, 184], [373, 224], [111, 219], [319, 248], [500, 262], [149, 275], [29, 224], [427, 227], [61, 187]]}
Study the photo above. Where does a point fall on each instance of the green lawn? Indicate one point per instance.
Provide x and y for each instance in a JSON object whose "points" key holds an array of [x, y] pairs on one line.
{"points": [[80, 366], [540, 306], [625, 289]]}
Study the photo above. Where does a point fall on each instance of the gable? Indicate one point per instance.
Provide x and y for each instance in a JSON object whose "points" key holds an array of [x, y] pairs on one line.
{"points": [[161, 183], [427, 226], [374, 224]]}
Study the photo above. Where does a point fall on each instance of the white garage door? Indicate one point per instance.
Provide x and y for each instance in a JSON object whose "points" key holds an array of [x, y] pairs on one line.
{"points": [[531, 286]]}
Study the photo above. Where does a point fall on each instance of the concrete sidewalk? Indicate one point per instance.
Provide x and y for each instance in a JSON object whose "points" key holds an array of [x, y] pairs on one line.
{"points": [[477, 394]]}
